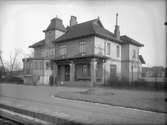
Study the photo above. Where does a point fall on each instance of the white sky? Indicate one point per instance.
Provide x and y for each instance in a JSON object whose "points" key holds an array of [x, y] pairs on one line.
{"points": [[22, 23]]}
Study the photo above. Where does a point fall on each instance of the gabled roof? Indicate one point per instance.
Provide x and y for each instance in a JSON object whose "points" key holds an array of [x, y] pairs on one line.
{"points": [[89, 28], [86, 29], [127, 39], [37, 44], [57, 24], [141, 59]]}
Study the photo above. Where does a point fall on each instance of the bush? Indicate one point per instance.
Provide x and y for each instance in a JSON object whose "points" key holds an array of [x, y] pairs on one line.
{"points": [[142, 84], [13, 79]]}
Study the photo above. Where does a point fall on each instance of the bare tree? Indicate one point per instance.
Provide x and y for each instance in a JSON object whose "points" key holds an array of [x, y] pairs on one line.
{"points": [[2, 68], [14, 63]]}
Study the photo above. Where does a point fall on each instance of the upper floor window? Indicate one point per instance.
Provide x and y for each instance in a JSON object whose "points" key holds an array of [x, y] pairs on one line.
{"points": [[108, 48], [137, 53], [47, 54], [134, 54], [63, 50], [51, 52], [118, 51], [83, 47]]}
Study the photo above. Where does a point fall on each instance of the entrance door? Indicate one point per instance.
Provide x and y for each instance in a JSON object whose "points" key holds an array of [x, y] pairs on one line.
{"points": [[67, 72], [113, 70]]}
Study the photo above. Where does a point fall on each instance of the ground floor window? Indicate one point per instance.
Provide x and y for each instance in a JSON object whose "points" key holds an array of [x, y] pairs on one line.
{"points": [[82, 71], [64, 72], [67, 72], [99, 71], [113, 71], [84, 68]]}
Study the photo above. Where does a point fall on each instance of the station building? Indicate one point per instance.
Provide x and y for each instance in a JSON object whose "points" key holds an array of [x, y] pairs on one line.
{"points": [[83, 54]]}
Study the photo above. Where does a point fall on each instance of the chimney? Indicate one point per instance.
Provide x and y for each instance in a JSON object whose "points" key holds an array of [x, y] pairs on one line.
{"points": [[73, 21], [116, 31]]}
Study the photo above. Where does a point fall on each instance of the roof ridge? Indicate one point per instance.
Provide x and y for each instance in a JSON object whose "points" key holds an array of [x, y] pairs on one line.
{"points": [[84, 22]]}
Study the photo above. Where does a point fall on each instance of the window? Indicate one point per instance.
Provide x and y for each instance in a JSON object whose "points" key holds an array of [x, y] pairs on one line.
{"points": [[47, 54], [63, 50], [118, 51], [82, 48], [51, 66], [137, 54], [134, 54], [41, 65], [113, 72], [98, 66], [36, 65], [47, 65], [53, 52], [84, 68], [108, 48]]}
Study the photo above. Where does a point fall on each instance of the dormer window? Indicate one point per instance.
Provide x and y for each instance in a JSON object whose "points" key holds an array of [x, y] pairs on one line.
{"points": [[83, 48]]}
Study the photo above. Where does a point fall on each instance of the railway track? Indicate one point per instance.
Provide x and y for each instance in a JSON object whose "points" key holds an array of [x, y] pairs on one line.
{"points": [[6, 121]]}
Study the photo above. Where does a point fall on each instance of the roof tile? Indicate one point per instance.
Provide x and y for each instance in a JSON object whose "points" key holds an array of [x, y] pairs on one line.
{"points": [[93, 27]]}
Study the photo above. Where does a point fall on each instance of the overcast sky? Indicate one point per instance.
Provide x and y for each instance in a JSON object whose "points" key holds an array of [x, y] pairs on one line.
{"points": [[22, 23]]}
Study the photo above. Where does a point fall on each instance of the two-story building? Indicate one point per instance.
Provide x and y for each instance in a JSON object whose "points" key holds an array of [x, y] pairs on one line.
{"points": [[83, 54]]}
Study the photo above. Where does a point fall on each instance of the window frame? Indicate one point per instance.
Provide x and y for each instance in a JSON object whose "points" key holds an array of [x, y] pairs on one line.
{"points": [[83, 47], [47, 65], [36, 64], [108, 48], [63, 50], [84, 68], [41, 66], [118, 51], [133, 54]]}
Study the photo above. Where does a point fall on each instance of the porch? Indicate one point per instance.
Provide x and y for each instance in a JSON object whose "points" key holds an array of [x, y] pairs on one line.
{"points": [[85, 71]]}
